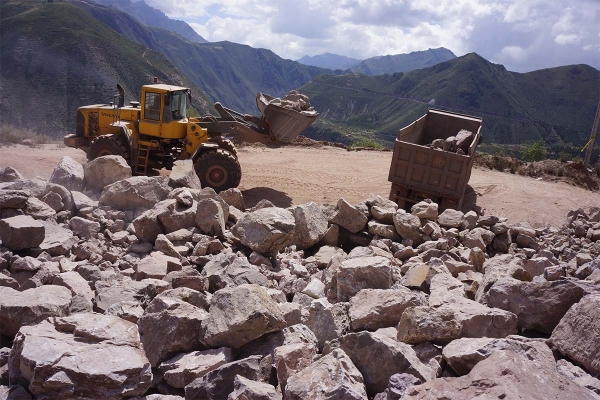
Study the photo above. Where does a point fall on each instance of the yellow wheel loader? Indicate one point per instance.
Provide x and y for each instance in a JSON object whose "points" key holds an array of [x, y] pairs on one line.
{"points": [[155, 131]]}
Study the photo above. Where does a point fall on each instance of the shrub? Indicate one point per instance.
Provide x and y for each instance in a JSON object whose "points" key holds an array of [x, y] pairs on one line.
{"points": [[499, 161], [367, 143], [534, 151], [10, 134]]}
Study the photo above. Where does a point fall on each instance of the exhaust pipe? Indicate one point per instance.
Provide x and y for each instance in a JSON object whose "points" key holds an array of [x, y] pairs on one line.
{"points": [[121, 95]]}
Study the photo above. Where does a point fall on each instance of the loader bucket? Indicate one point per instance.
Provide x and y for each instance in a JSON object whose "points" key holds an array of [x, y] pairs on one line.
{"points": [[285, 124]]}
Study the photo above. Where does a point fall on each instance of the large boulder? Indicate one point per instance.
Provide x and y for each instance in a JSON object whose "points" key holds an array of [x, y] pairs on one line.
{"points": [[139, 191], [349, 217], [453, 321], [183, 174], [239, 315], [450, 218], [266, 230], [182, 369], [244, 388], [234, 198], [169, 325], [210, 217], [21, 232], [84, 356], [31, 306], [218, 383], [291, 358], [380, 308], [576, 336], [333, 376], [14, 198], [84, 228], [452, 315], [104, 171], [227, 269], [173, 215], [155, 265], [539, 305], [148, 226], [360, 273], [9, 174], [58, 241], [108, 293], [425, 210], [68, 173], [83, 295], [463, 354], [378, 357], [36, 186], [505, 374], [311, 225], [498, 268], [408, 226], [327, 321]]}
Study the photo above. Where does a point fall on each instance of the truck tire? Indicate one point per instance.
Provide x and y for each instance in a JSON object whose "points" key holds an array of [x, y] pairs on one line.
{"points": [[109, 145], [218, 169]]}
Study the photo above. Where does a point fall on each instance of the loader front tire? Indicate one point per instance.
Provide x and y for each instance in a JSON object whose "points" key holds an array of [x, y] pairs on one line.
{"points": [[218, 169], [109, 145], [227, 145]]}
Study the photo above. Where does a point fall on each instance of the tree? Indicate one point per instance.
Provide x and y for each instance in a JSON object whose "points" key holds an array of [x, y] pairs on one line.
{"points": [[534, 151]]}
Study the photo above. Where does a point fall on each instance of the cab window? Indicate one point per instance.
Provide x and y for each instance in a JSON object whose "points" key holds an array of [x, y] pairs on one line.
{"points": [[152, 106]]}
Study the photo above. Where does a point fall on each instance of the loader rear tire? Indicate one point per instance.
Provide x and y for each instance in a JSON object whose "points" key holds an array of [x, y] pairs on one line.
{"points": [[218, 169], [109, 145]]}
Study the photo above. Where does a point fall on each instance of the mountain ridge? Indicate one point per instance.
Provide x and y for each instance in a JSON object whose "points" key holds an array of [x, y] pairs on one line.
{"points": [[329, 60], [153, 17], [389, 64], [555, 104]]}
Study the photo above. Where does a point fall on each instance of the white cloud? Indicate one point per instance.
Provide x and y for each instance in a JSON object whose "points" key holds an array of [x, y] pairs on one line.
{"points": [[514, 53], [522, 34], [569, 38]]}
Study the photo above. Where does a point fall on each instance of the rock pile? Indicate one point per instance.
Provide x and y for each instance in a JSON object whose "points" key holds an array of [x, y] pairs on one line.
{"points": [[152, 289], [295, 101], [458, 144]]}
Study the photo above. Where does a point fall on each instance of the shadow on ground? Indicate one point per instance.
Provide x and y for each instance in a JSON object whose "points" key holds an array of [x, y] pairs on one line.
{"points": [[470, 200], [254, 195]]}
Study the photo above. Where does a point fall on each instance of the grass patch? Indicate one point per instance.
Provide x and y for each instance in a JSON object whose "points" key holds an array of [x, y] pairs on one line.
{"points": [[10, 134]]}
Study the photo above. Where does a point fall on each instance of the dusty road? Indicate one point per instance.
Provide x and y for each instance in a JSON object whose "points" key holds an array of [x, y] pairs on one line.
{"points": [[295, 175]]}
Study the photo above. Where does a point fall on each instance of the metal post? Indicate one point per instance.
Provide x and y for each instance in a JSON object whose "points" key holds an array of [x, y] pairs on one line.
{"points": [[590, 145]]}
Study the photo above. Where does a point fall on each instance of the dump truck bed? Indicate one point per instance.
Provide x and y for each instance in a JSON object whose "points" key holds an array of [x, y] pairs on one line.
{"points": [[285, 124], [418, 171]]}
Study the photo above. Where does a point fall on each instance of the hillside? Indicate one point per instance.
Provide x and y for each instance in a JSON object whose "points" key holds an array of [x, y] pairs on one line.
{"points": [[152, 17], [403, 62], [55, 57], [557, 104], [227, 72], [329, 60]]}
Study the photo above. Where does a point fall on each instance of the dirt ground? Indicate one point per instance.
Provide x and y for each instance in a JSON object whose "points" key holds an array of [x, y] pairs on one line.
{"points": [[296, 175]]}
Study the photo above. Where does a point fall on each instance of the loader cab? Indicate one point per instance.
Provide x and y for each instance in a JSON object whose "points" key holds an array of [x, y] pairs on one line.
{"points": [[163, 111]]}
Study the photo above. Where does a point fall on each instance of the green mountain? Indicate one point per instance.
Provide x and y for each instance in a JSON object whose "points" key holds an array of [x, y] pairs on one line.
{"points": [[227, 72], [152, 17], [403, 62], [331, 61], [56, 57], [557, 104]]}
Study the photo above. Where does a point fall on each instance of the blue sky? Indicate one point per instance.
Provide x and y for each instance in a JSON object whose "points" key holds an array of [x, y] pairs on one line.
{"points": [[523, 35]]}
